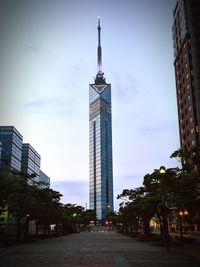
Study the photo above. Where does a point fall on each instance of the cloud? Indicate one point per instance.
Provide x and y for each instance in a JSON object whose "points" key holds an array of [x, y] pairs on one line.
{"points": [[75, 192], [55, 106], [33, 48], [39, 103], [160, 127], [125, 87], [132, 181]]}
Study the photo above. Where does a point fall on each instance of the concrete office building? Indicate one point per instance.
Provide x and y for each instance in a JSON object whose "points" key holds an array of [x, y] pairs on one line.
{"points": [[10, 148], [186, 43], [100, 141]]}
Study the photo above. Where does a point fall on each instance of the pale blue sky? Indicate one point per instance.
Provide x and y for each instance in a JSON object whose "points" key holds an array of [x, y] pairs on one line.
{"points": [[48, 58]]}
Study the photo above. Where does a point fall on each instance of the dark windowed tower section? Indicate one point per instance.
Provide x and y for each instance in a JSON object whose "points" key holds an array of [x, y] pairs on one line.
{"points": [[10, 148], [100, 141], [30, 163], [186, 42], [21, 158]]}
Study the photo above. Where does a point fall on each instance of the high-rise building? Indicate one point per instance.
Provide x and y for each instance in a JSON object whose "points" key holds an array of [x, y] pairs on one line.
{"points": [[44, 181], [30, 163], [16, 156], [10, 148], [100, 141], [186, 43]]}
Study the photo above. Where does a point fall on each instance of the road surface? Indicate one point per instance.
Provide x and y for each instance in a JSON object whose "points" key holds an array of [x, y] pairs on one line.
{"points": [[92, 249]]}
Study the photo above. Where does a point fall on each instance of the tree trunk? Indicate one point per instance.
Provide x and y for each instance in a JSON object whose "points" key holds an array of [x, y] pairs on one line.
{"points": [[146, 226], [44, 229], [26, 229], [56, 230], [36, 228], [161, 226], [165, 228], [18, 230]]}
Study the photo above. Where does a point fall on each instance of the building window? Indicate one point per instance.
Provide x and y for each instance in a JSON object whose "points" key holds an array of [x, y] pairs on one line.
{"points": [[190, 119], [192, 130]]}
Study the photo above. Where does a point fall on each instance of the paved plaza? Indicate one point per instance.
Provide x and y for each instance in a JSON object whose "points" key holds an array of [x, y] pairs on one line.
{"points": [[98, 249]]}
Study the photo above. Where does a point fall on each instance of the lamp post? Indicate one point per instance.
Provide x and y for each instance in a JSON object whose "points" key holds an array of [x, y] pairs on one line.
{"points": [[165, 231], [108, 208], [182, 213]]}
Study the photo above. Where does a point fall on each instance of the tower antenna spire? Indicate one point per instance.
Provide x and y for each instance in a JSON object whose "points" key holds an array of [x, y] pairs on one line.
{"points": [[100, 75], [99, 54]]}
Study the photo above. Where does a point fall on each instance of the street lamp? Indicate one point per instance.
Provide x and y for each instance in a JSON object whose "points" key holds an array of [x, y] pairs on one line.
{"points": [[162, 172], [108, 208], [182, 213]]}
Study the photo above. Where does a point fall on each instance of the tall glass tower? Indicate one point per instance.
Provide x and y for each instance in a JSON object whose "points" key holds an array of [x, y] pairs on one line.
{"points": [[100, 141]]}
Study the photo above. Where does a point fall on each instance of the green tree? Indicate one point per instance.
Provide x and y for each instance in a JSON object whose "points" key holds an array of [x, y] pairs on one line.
{"points": [[161, 188], [188, 191], [137, 210], [19, 200], [48, 209], [74, 215], [88, 216], [4, 189]]}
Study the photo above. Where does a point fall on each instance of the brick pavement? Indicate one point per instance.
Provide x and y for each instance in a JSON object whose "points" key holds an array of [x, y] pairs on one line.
{"points": [[94, 249]]}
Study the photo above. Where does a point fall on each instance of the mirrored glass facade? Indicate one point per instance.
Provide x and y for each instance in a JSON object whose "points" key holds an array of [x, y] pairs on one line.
{"points": [[10, 148], [44, 181], [30, 163], [100, 142]]}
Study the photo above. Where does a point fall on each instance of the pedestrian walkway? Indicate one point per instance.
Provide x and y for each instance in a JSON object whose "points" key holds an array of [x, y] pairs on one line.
{"points": [[92, 249]]}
